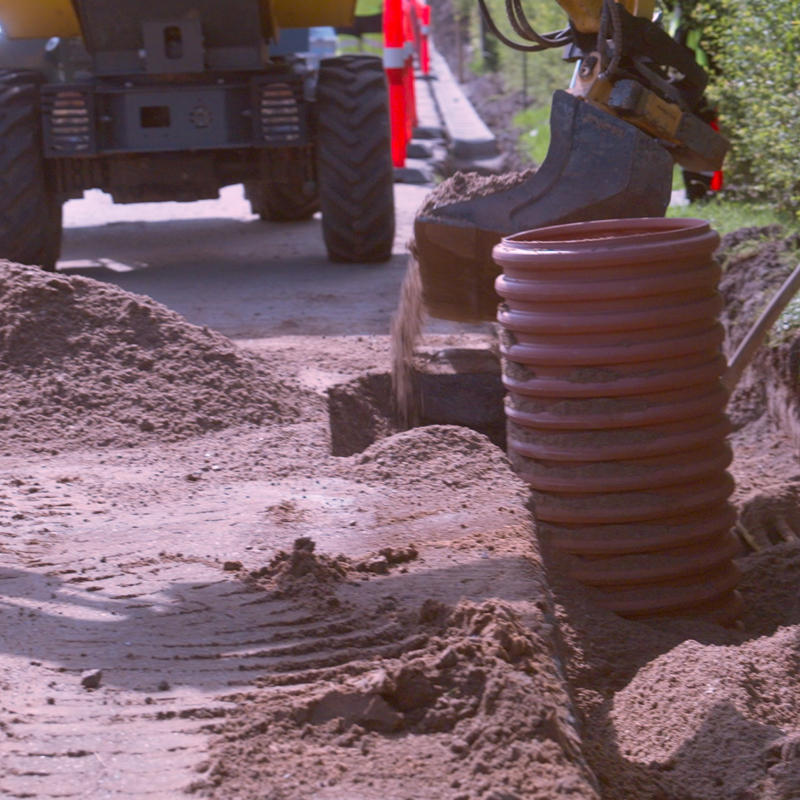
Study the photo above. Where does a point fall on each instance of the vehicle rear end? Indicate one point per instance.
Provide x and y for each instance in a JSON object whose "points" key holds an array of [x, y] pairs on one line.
{"points": [[155, 100]]}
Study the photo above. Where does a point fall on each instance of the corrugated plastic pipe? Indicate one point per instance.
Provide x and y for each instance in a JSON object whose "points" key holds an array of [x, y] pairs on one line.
{"points": [[616, 408]]}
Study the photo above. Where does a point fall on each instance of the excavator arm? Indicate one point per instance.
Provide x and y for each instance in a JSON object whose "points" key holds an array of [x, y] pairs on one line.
{"points": [[628, 66], [652, 81], [628, 116]]}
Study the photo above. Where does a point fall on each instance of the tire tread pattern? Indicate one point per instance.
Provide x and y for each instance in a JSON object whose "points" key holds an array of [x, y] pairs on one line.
{"points": [[30, 216], [356, 174]]}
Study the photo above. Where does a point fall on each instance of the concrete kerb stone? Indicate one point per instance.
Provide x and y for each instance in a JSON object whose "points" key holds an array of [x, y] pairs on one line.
{"points": [[470, 139]]}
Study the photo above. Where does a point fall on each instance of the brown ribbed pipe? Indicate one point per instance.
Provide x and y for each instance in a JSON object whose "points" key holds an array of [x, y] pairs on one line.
{"points": [[616, 410]]}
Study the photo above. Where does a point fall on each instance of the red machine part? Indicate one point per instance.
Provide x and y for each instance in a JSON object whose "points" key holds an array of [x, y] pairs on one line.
{"points": [[394, 61], [405, 31]]}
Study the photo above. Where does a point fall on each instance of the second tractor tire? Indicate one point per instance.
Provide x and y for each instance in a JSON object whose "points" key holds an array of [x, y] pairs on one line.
{"points": [[354, 160], [287, 190], [30, 214]]}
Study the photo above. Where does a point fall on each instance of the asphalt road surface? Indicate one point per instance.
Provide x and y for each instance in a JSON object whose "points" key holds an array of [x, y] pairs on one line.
{"points": [[219, 265]]}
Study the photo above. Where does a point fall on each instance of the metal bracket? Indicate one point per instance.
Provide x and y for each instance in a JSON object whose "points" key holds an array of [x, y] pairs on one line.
{"points": [[171, 47]]}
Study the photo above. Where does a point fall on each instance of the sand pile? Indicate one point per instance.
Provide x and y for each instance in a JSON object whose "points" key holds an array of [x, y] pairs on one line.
{"points": [[469, 185], [683, 710], [713, 722], [458, 457], [478, 711], [86, 363]]}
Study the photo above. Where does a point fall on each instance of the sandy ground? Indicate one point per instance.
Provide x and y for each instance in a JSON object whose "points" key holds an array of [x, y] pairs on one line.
{"points": [[420, 647], [114, 559]]}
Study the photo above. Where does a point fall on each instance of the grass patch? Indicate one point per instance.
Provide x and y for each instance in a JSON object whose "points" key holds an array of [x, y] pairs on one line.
{"points": [[535, 125], [726, 216]]}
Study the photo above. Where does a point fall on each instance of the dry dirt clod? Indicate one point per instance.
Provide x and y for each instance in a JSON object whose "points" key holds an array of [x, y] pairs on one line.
{"points": [[302, 573], [91, 678], [378, 566]]}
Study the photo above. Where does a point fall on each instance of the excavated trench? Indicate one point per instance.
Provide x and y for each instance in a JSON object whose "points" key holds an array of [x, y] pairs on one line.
{"points": [[451, 386]]}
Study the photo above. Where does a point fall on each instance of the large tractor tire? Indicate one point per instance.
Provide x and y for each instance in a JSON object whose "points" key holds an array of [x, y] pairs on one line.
{"points": [[290, 194], [281, 202], [30, 214], [354, 160], [288, 203]]}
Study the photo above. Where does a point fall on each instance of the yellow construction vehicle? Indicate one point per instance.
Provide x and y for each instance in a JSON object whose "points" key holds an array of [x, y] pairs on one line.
{"points": [[628, 116], [155, 100]]}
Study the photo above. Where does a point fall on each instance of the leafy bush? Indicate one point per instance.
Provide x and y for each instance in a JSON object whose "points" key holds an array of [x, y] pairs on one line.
{"points": [[755, 44]]}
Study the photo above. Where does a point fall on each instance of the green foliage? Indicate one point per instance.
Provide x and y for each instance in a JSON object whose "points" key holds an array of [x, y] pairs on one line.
{"points": [[677, 178], [539, 73], [726, 216], [755, 44], [534, 122]]}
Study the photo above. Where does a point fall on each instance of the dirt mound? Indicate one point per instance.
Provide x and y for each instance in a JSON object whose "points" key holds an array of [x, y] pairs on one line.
{"points": [[469, 185], [481, 703], [714, 723], [458, 456], [771, 588], [684, 710], [86, 363], [302, 573]]}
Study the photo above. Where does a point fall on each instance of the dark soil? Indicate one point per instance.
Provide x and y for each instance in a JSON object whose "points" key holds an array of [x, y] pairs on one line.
{"points": [[361, 412]]}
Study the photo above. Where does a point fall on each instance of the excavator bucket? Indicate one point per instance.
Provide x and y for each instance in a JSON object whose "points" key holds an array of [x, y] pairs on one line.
{"points": [[597, 167]]}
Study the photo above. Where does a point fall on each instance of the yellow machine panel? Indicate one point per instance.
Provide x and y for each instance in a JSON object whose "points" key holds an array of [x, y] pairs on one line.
{"points": [[312, 13], [38, 19], [33, 19], [585, 14]]}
